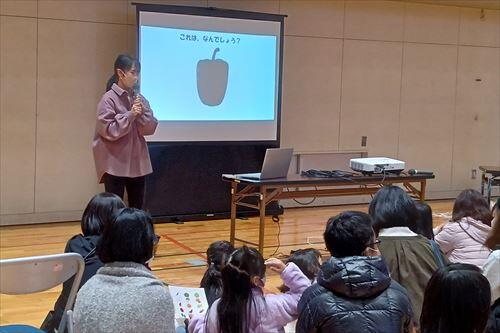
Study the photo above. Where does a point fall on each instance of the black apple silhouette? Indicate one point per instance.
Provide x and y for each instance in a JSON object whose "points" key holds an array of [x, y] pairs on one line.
{"points": [[211, 78]]}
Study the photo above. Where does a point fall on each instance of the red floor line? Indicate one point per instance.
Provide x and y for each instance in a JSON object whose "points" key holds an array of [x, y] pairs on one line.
{"points": [[182, 246]]}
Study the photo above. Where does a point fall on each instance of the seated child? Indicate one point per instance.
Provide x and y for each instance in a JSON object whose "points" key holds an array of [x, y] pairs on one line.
{"points": [[243, 307]]}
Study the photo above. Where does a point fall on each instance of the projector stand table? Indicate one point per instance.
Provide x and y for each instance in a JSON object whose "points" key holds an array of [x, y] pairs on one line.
{"points": [[296, 186], [490, 177]]}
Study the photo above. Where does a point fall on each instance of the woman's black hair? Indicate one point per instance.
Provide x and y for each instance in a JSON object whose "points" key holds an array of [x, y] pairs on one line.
{"points": [[456, 300], [392, 207], [470, 203], [125, 63], [309, 262], [99, 212], [236, 299], [217, 255], [424, 221], [129, 237]]}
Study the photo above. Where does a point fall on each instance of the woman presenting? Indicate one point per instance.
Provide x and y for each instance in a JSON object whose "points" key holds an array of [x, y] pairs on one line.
{"points": [[124, 117]]}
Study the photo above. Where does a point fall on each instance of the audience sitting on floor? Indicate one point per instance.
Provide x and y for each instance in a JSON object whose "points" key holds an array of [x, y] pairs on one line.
{"points": [[385, 274], [354, 291], [424, 220], [217, 254], [125, 296], [463, 238], [411, 258], [242, 306], [309, 261], [456, 300], [96, 216]]}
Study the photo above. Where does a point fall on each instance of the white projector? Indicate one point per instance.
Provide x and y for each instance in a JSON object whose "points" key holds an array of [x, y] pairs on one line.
{"points": [[376, 165]]}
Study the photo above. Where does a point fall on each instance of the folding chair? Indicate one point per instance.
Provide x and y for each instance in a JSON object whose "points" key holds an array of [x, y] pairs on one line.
{"points": [[70, 322], [34, 274]]}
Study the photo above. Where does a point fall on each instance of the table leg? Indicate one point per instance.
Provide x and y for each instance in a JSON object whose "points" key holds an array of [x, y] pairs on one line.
{"points": [[423, 185], [262, 220], [490, 183], [234, 188], [483, 178]]}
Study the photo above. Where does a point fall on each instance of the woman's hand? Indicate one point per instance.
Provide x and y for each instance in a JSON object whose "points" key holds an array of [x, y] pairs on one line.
{"points": [[275, 265], [137, 109]]}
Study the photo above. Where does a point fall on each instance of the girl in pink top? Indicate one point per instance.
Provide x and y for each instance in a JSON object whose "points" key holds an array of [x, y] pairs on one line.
{"points": [[463, 239], [242, 306], [124, 117]]}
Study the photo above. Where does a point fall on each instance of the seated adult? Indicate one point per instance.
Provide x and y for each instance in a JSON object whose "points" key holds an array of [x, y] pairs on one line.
{"points": [[457, 300], [424, 220], [354, 291], [411, 258], [125, 296], [463, 238], [96, 216]]}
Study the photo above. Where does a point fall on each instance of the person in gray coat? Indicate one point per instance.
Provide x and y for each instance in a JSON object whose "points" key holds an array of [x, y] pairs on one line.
{"points": [[125, 296]]}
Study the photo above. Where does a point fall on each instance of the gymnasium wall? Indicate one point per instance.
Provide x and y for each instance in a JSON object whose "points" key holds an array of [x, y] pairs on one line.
{"points": [[420, 81]]}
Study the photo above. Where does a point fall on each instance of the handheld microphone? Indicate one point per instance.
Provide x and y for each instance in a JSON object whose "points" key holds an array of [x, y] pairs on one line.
{"points": [[135, 90], [420, 172]]}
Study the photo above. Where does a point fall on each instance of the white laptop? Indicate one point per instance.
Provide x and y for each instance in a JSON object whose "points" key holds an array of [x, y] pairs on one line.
{"points": [[276, 165]]}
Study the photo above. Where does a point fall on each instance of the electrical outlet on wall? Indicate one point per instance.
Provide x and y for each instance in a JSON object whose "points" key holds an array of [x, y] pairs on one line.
{"points": [[364, 139], [473, 174]]}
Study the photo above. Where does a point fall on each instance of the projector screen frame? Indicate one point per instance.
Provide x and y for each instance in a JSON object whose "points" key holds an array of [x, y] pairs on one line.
{"points": [[223, 13]]}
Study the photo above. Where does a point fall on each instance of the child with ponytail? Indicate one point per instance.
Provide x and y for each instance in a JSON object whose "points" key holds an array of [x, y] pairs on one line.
{"points": [[217, 254], [242, 307]]}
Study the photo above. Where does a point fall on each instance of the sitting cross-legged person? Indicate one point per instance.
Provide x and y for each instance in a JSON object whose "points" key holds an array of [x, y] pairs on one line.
{"points": [[411, 257], [354, 291], [457, 300], [463, 238], [217, 254], [96, 217], [243, 307], [309, 261], [125, 296]]}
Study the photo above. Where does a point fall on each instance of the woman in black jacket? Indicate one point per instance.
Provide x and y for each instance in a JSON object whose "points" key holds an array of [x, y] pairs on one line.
{"points": [[97, 214]]}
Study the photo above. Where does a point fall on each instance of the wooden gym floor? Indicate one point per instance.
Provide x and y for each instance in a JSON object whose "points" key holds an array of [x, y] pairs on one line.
{"points": [[181, 251]]}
